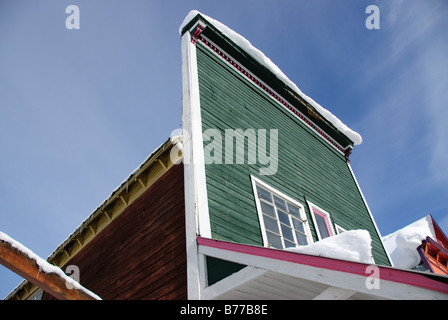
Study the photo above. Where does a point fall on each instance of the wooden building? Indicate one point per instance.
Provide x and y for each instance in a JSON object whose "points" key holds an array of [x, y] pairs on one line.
{"points": [[434, 250], [133, 245], [263, 169]]}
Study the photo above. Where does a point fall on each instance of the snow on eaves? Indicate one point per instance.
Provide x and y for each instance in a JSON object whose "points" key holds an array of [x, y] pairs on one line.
{"points": [[44, 266], [93, 215], [265, 61]]}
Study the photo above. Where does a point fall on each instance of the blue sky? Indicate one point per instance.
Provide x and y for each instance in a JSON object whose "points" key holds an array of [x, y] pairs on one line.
{"points": [[81, 109]]}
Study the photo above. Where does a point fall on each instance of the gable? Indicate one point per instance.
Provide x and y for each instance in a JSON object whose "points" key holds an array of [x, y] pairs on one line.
{"points": [[253, 126]]}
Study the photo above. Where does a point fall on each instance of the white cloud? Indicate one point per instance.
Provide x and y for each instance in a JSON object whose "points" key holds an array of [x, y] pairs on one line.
{"points": [[405, 135], [413, 105]]}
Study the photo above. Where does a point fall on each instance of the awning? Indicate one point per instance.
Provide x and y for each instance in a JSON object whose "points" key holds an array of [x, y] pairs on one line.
{"points": [[278, 274]]}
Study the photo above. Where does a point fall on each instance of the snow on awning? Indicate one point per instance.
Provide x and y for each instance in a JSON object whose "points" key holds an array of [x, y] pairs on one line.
{"points": [[352, 245]]}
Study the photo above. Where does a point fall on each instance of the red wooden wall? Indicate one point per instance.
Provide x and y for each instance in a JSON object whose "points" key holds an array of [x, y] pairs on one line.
{"points": [[141, 254]]}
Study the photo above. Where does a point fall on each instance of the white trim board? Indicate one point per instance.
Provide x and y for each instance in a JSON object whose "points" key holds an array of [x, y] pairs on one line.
{"points": [[197, 221]]}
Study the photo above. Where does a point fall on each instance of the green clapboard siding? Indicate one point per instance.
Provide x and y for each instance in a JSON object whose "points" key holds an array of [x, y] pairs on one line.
{"points": [[308, 167]]}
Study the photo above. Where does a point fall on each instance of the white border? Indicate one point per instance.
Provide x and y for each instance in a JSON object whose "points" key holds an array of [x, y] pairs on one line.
{"points": [[256, 181], [197, 220], [339, 229]]}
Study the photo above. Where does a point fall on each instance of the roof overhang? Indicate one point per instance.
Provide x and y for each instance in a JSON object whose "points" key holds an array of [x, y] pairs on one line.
{"points": [[278, 274], [256, 65]]}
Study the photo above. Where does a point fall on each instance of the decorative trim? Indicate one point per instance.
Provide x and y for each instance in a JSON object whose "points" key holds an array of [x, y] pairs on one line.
{"points": [[270, 92], [200, 27]]}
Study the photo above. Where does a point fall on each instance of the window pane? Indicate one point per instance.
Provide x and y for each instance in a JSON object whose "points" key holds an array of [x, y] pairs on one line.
{"points": [[287, 233], [270, 224], [280, 203], [322, 225], [294, 210], [289, 244], [283, 220], [298, 225], [301, 239], [267, 208], [283, 217], [264, 194], [274, 241]]}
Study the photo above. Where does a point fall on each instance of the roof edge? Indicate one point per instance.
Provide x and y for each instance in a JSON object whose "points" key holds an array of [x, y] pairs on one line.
{"points": [[139, 180], [262, 59]]}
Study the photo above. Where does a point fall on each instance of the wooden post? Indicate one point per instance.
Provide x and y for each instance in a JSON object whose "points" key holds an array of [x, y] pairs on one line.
{"points": [[52, 283]]}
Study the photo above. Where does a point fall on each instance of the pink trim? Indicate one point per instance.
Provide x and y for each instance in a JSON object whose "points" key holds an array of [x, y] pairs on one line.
{"points": [[386, 273], [326, 219], [197, 33]]}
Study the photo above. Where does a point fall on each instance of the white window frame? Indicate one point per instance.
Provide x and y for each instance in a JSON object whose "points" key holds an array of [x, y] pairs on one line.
{"points": [[303, 217], [339, 229], [327, 216]]}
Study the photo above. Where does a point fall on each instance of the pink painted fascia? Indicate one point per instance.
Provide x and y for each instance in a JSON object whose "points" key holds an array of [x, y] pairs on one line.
{"points": [[386, 273]]}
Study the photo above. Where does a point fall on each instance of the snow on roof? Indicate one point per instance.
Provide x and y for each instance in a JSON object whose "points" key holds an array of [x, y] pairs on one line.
{"points": [[352, 245], [265, 61], [44, 266], [402, 244]]}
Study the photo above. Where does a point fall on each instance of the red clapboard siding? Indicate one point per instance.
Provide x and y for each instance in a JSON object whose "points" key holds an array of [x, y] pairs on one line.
{"points": [[141, 254]]}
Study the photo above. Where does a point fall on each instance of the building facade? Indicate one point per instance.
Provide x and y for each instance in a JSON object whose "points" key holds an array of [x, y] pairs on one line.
{"points": [[260, 169], [272, 170]]}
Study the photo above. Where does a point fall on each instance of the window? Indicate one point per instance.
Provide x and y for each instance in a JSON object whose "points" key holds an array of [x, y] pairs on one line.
{"points": [[322, 222], [282, 219], [339, 229]]}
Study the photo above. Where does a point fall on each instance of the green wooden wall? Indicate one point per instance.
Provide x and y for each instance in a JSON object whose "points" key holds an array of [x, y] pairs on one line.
{"points": [[308, 167]]}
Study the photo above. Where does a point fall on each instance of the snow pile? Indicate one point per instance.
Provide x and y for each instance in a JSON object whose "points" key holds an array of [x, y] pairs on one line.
{"points": [[265, 61], [353, 245], [402, 244], [176, 138], [44, 266]]}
